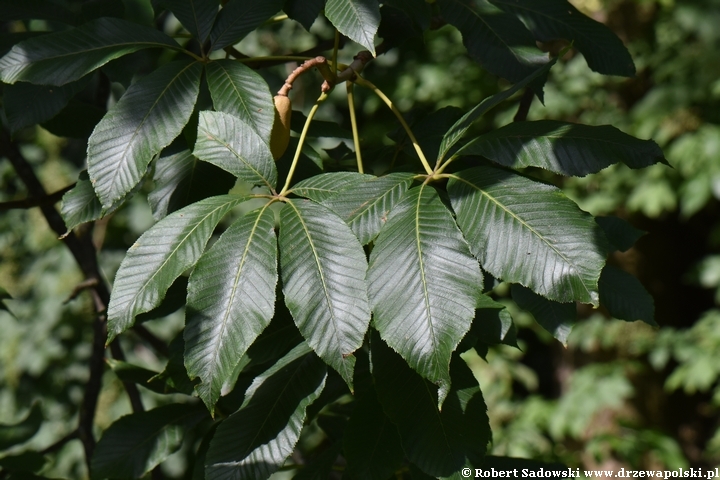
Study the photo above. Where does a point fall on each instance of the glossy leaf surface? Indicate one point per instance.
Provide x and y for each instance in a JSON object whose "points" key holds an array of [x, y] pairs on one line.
{"points": [[529, 233], [424, 284], [356, 19], [323, 269], [161, 255], [147, 118], [231, 299]]}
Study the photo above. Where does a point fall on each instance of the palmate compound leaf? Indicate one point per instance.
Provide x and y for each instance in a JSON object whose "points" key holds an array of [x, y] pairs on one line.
{"points": [[60, 58], [197, 16], [440, 442], [233, 145], [529, 233], [558, 19], [497, 40], [147, 118], [323, 269], [356, 19], [365, 207], [254, 442], [231, 299], [326, 185], [137, 443], [240, 91], [564, 148], [424, 284], [455, 133], [161, 255], [240, 17]]}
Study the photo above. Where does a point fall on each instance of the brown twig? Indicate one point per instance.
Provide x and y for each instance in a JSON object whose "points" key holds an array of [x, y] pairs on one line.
{"points": [[32, 202], [318, 62], [524, 107]]}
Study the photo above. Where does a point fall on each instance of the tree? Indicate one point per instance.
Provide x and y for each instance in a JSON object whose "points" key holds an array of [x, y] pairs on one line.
{"points": [[344, 300]]}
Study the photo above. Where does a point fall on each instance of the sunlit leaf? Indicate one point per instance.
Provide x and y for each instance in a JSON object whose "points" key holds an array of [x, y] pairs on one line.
{"points": [[323, 269], [233, 145], [424, 284], [564, 148], [254, 442], [62, 57], [147, 118], [356, 19], [326, 185], [242, 92], [529, 233], [231, 299], [159, 256]]}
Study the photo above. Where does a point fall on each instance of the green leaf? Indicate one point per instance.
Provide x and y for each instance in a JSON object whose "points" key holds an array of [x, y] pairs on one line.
{"points": [[553, 19], [418, 10], [564, 148], [34, 10], [80, 205], [240, 91], [254, 442], [304, 11], [137, 443], [439, 442], [63, 57], [161, 255], [23, 462], [21, 432], [497, 40], [323, 269], [127, 372], [4, 295], [76, 120], [529, 233], [175, 377], [371, 442], [197, 16], [492, 325], [326, 185], [366, 206], [27, 104], [625, 297], [147, 118], [181, 179], [233, 145], [461, 126], [557, 318], [240, 17], [356, 19], [424, 284], [619, 232], [231, 299]]}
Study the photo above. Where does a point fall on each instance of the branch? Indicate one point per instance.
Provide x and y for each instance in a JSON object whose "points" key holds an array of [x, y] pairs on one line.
{"points": [[524, 107], [32, 202]]}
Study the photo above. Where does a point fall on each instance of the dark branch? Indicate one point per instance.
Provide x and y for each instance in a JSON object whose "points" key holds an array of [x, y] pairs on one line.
{"points": [[524, 107], [35, 201]]}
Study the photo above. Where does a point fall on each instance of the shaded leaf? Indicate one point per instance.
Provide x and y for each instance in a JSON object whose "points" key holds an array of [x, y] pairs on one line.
{"points": [[326, 185], [424, 284], [418, 10], [62, 57], [175, 375], [320, 467], [240, 17], [323, 269], [318, 128], [492, 325], [529, 233], [76, 120], [439, 442], [558, 19], [240, 91], [619, 232], [304, 11], [27, 104], [365, 207], [233, 145], [356, 19], [137, 443], [254, 442], [161, 255], [557, 318], [231, 299], [625, 297], [497, 40], [195, 15], [21, 432], [147, 118], [181, 179], [23, 462], [80, 205], [455, 132], [564, 148], [174, 300], [127, 372], [4, 295]]}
